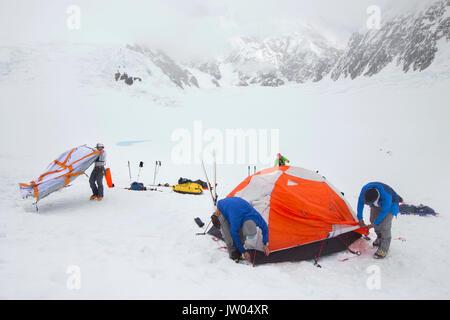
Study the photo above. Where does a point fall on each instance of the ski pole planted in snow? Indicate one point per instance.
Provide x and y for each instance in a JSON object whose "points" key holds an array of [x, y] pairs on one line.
{"points": [[214, 199], [157, 164], [215, 179]]}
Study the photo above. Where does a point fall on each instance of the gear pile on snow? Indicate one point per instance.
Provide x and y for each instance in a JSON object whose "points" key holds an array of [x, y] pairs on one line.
{"points": [[67, 167], [307, 216], [188, 188], [420, 210], [137, 186], [203, 184]]}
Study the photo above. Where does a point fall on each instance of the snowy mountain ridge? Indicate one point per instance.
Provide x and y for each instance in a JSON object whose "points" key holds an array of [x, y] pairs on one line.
{"points": [[410, 41]]}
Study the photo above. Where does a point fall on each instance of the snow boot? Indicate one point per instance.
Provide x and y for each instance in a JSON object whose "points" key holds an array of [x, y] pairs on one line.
{"points": [[92, 197], [99, 198], [236, 256], [237, 260], [380, 254]]}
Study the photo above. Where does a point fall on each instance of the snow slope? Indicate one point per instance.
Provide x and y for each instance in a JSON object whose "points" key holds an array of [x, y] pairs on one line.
{"points": [[391, 127]]}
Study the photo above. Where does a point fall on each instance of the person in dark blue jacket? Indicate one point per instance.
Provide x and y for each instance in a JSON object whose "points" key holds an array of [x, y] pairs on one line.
{"points": [[238, 222], [384, 205]]}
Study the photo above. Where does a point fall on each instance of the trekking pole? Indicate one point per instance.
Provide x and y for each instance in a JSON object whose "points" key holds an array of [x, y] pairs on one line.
{"points": [[209, 184], [157, 163], [215, 179], [141, 165], [248, 171], [254, 169], [129, 169]]}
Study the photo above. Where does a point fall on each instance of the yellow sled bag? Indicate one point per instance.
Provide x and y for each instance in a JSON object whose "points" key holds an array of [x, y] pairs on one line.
{"points": [[190, 188]]}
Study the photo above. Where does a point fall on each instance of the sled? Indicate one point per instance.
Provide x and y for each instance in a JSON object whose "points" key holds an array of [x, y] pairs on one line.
{"points": [[188, 188]]}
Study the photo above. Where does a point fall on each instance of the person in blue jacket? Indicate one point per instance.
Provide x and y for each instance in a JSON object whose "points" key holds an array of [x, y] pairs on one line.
{"points": [[238, 222], [384, 205]]}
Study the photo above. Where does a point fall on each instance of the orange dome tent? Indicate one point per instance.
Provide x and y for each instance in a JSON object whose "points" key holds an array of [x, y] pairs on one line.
{"points": [[307, 216]]}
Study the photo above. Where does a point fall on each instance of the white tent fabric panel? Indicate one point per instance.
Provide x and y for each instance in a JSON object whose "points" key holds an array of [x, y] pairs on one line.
{"points": [[60, 172]]}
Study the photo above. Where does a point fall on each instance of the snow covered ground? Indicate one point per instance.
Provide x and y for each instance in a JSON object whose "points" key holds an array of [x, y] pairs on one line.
{"points": [[391, 128]]}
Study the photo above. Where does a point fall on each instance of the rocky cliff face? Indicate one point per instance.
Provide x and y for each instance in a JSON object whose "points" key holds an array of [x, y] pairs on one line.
{"points": [[298, 57], [410, 41], [176, 73]]}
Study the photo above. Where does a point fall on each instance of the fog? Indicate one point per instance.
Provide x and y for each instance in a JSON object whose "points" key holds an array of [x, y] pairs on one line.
{"points": [[185, 28]]}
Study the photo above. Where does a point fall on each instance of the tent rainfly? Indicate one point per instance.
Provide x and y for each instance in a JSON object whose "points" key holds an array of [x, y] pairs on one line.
{"points": [[307, 216], [60, 172]]}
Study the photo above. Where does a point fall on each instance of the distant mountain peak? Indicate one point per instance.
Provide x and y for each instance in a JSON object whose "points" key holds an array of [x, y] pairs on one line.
{"points": [[410, 40]]}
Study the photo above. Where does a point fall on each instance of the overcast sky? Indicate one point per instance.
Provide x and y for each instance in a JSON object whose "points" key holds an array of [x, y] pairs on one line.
{"points": [[194, 25]]}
